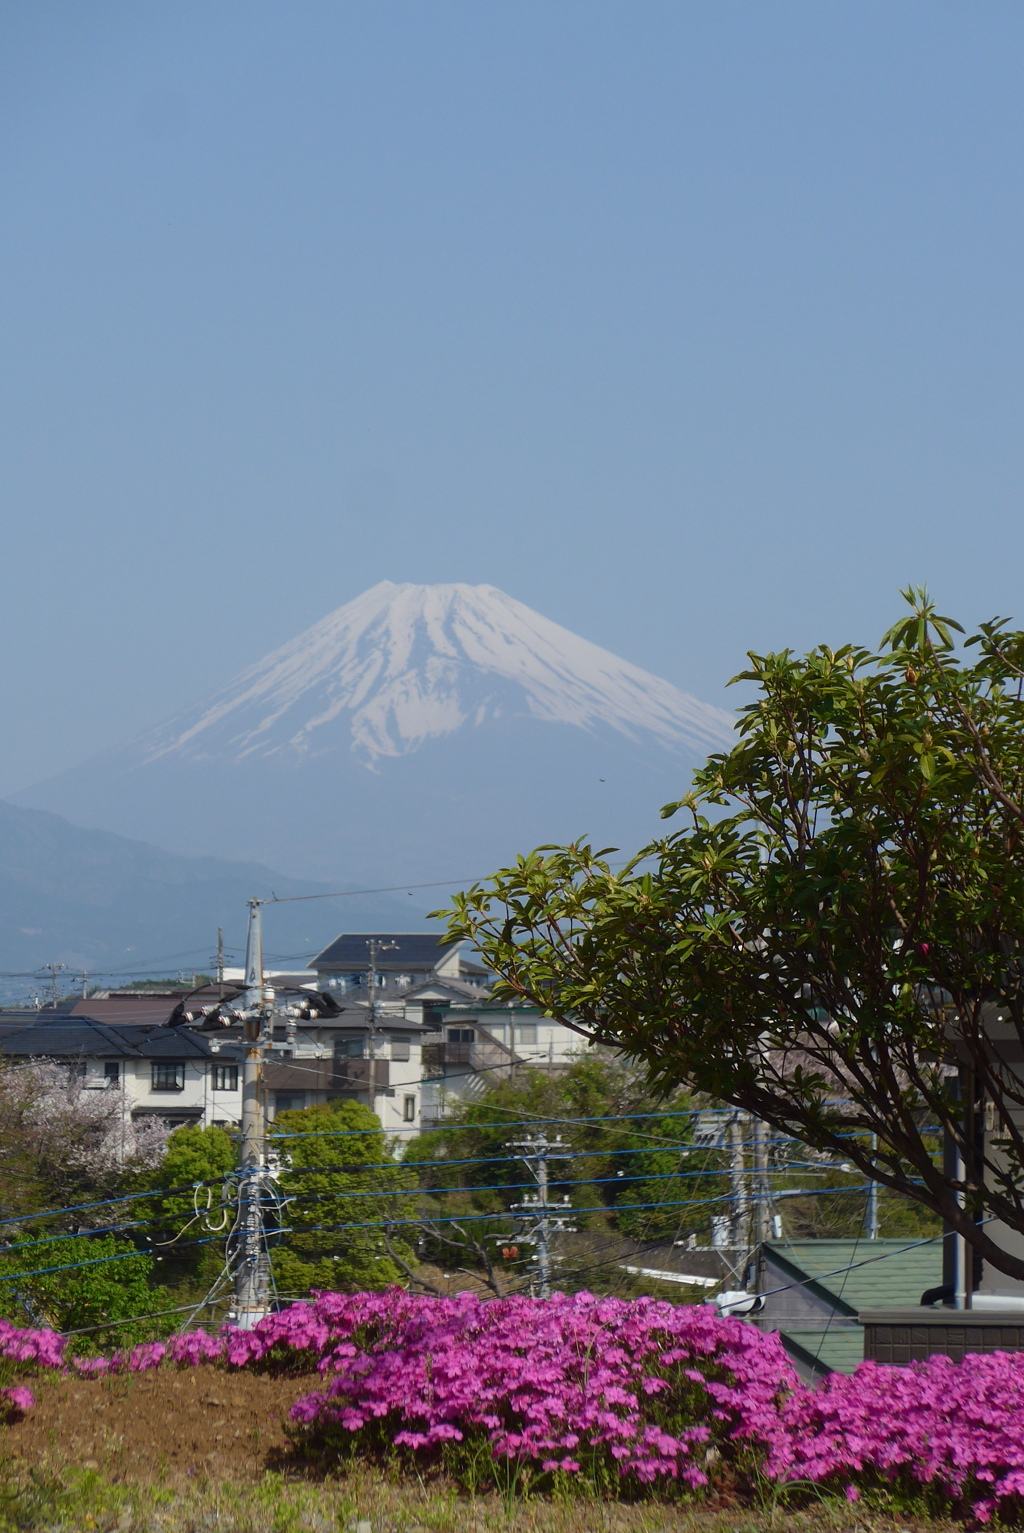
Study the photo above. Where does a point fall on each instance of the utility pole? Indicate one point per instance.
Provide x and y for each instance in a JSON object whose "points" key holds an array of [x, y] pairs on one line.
{"points": [[762, 1189], [55, 969], [220, 955], [251, 1273], [536, 1150], [871, 1213], [375, 946], [738, 1188]]}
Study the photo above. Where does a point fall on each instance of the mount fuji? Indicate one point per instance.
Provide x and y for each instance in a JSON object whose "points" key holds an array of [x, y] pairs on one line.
{"points": [[417, 733]]}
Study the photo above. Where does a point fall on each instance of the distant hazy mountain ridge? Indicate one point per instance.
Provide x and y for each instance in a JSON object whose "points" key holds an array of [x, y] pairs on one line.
{"points": [[96, 901], [403, 664]]}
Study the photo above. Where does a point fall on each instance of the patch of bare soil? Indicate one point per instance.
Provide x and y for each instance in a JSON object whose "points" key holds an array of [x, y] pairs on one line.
{"points": [[200, 1449], [175, 1425]]}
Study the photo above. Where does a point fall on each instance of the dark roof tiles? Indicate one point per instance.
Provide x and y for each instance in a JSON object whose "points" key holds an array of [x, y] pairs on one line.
{"points": [[83, 1037], [414, 952]]}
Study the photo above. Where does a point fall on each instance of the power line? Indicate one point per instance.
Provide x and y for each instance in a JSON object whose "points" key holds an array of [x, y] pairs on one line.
{"points": [[601, 1208], [344, 894], [521, 1123], [574, 1273], [128, 1197], [501, 1187], [386, 1223]]}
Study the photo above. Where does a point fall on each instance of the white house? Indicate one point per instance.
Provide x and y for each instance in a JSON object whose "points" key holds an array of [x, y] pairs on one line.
{"points": [[183, 1077]]}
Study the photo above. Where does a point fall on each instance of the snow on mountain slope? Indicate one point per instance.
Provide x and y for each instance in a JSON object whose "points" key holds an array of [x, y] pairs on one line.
{"points": [[403, 664], [416, 733]]}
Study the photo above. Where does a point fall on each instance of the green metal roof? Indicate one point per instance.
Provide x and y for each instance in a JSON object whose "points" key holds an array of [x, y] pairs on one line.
{"points": [[883, 1274], [837, 1350]]}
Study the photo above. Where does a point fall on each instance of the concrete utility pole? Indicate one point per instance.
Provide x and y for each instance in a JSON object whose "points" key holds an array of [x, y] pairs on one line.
{"points": [[220, 955], [55, 969], [762, 1188], [536, 1150], [738, 1186], [375, 947], [871, 1213], [251, 1268]]}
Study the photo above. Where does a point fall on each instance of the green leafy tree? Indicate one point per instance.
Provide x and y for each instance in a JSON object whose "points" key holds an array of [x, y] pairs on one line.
{"points": [[86, 1282], [468, 1168], [341, 1186], [834, 941], [185, 1220]]}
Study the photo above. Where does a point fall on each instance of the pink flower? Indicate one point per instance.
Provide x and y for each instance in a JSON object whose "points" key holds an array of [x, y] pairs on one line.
{"points": [[19, 1400]]}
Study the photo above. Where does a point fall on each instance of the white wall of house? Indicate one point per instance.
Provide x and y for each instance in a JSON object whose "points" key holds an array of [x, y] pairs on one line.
{"points": [[537, 1042], [398, 1042], [196, 1091]]}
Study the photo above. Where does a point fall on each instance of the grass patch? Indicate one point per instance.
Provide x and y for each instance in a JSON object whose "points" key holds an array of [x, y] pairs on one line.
{"points": [[82, 1500]]}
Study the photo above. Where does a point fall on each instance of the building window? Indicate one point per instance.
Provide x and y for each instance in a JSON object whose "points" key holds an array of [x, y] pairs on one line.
{"points": [[168, 1076], [112, 1072], [461, 1035], [526, 1032], [408, 1109], [289, 1101], [400, 1048], [348, 1048], [225, 1077]]}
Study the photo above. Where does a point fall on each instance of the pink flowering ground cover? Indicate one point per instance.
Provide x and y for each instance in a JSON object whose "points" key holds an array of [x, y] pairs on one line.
{"points": [[644, 1391], [632, 1396]]}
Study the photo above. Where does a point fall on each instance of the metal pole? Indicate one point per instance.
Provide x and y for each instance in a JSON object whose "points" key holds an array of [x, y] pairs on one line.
{"points": [[535, 1150], [961, 1292], [762, 1191], [371, 1017], [871, 1213], [375, 947], [738, 1188], [250, 1272], [54, 969], [543, 1247]]}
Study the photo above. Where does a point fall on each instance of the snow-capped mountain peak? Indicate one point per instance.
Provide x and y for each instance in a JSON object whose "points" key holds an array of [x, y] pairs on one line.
{"points": [[403, 664]]}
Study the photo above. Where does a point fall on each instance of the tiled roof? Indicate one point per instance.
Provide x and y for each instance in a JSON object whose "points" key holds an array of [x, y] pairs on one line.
{"points": [[128, 1009], [414, 953], [836, 1350], [84, 1038], [68, 1038]]}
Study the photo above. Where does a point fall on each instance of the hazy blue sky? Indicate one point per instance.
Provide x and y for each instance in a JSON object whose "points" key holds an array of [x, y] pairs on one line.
{"points": [[696, 326]]}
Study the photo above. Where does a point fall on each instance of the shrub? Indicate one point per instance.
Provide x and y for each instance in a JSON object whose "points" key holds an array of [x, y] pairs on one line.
{"points": [[625, 1395], [612, 1390]]}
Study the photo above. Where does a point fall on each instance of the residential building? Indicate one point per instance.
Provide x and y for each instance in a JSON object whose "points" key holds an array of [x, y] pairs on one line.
{"points": [[423, 1039], [183, 1077], [471, 1047], [461, 1040]]}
